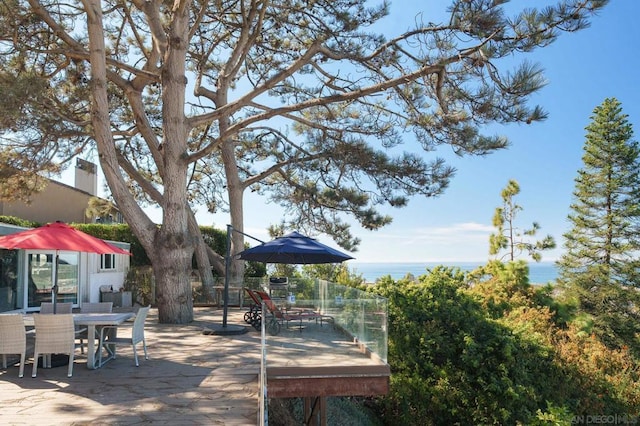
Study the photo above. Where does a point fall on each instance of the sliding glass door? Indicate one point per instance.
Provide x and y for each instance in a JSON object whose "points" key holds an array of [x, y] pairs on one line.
{"points": [[41, 276]]}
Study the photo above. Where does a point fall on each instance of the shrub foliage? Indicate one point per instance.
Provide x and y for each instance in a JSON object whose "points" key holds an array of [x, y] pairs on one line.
{"points": [[497, 351]]}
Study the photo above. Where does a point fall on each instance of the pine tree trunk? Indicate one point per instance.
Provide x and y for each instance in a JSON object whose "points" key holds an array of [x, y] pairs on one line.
{"points": [[236, 207], [174, 242], [172, 269], [169, 247]]}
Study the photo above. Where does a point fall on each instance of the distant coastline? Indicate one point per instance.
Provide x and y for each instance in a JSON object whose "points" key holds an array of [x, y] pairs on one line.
{"points": [[539, 273]]}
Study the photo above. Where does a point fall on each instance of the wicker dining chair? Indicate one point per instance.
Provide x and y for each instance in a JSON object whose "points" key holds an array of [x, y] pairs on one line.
{"points": [[13, 340], [61, 308], [55, 334], [137, 336], [99, 307], [92, 308]]}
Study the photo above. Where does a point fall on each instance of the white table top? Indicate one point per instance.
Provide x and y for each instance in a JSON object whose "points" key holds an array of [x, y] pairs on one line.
{"points": [[102, 318], [92, 318]]}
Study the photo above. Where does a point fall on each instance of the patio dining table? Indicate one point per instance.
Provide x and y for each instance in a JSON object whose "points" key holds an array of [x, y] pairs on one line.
{"points": [[94, 322]]}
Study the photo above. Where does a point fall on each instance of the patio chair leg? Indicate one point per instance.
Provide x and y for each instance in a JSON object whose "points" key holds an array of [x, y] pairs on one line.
{"points": [[70, 370], [135, 355], [4, 361], [144, 347], [34, 371], [22, 359]]}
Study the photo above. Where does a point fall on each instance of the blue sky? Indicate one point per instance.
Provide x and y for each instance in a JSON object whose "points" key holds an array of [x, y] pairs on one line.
{"points": [[582, 69]]}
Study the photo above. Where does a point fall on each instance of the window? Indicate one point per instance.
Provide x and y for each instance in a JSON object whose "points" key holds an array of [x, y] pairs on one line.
{"points": [[107, 262], [10, 285]]}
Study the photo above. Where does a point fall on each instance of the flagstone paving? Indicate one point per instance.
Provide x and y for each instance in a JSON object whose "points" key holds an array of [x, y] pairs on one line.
{"points": [[190, 378]]}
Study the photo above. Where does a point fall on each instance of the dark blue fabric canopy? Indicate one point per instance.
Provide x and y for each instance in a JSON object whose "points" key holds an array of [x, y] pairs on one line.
{"points": [[294, 248]]}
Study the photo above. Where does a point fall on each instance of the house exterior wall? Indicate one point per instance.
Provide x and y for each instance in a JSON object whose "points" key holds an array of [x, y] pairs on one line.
{"points": [[62, 202], [56, 202], [97, 278]]}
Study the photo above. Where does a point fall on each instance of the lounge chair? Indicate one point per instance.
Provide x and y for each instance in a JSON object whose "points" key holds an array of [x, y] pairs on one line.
{"points": [[279, 316], [254, 314]]}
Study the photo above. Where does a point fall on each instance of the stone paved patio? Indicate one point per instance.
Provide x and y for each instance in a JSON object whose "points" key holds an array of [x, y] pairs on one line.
{"points": [[190, 379]]}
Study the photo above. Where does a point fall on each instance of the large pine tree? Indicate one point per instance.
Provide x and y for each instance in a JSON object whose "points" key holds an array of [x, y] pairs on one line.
{"points": [[600, 266], [193, 103]]}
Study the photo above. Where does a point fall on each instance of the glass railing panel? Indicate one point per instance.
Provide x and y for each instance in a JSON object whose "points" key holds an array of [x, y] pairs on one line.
{"points": [[363, 315], [339, 326], [262, 391], [342, 314]]}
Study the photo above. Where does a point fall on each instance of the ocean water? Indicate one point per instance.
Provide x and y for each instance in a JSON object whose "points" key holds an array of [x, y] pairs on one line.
{"points": [[539, 273]]}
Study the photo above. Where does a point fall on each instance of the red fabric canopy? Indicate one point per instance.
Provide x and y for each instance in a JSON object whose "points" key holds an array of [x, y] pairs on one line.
{"points": [[58, 236]]}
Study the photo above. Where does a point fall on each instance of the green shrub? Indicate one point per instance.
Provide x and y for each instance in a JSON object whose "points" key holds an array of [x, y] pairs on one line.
{"points": [[11, 220], [139, 282], [495, 353]]}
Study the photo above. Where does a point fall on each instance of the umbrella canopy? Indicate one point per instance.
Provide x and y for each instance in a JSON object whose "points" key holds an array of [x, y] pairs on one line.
{"points": [[294, 248], [58, 236]]}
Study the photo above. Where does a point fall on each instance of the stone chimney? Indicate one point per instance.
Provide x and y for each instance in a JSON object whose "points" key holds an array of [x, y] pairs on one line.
{"points": [[86, 176]]}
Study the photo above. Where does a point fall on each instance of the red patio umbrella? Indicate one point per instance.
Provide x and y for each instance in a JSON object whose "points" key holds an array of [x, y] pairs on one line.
{"points": [[58, 236]]}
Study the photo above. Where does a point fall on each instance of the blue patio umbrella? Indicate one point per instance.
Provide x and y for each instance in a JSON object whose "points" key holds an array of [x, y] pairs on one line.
{"points": [[294, 248]]}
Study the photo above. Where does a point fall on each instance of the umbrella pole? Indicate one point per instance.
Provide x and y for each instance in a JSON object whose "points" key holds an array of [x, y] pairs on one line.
{"points": [[226, 329], [54, 289], [227, 266]]}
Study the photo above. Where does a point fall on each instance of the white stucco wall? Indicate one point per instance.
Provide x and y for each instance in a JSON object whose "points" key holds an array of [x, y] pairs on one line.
{"points": [[97, 278]]}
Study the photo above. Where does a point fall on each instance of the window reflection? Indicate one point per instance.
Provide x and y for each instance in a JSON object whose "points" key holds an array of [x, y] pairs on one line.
{"points": [[9, 289], [41, 273]]}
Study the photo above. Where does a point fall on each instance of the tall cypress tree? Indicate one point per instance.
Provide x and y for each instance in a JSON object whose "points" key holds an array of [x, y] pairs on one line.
{"points": [[600, 265]]}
